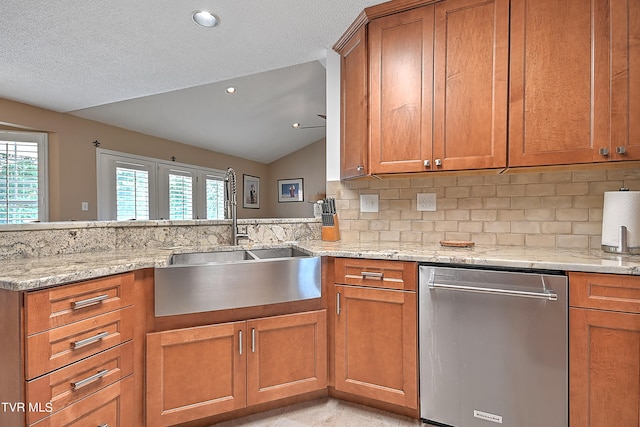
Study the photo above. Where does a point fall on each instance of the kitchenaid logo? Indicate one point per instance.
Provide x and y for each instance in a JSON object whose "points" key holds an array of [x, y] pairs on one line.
{"points": [[487, 416], [26, 407]]}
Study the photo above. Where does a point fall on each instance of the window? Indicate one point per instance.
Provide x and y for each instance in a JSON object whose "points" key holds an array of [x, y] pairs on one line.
{"points": [[176, 191], [132, 192], [214, 196], [23, 173], [144, 188]]}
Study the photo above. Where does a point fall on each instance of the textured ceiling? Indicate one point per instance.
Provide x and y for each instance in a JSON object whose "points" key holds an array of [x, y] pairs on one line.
{"points": [[144, 65]]}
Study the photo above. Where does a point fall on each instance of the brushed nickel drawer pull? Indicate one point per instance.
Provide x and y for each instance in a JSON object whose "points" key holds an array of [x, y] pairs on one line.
{"points": [[372, 275], [77, 344], [253, 340], [338, 303], [89, 301], [240, 341], [79, 384], [104, 425]]}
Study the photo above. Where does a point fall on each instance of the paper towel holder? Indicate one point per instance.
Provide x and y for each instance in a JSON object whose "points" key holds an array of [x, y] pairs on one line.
{"points": [[622, 247]]}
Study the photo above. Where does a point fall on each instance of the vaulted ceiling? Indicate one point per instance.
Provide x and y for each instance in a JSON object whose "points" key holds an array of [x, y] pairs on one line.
{"points": [[146, 66]]}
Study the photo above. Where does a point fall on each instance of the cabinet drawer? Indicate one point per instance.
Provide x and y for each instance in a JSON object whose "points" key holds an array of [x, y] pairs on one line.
{"points": [[68, 385], [58, 347], [62, 305], [111, 406], [376, 273], [605, 291]]}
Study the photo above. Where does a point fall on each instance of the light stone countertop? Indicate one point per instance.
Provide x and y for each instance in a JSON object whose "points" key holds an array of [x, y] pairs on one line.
{"points": [[21, 274]]}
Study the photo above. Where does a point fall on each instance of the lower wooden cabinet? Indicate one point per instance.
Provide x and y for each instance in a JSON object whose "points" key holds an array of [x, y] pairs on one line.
{"points": [[287, 356], [604, 350], [376, 344], [194, 373], [64, 387], [112, 406]]}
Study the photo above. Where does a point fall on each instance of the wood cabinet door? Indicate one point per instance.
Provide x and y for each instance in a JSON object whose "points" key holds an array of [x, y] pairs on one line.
{"points": [[194, 373], [354, 125], [559, 77], [376, 344], [604, 366], [625, 80], [400, 91], [286, 356], [470, 84]]}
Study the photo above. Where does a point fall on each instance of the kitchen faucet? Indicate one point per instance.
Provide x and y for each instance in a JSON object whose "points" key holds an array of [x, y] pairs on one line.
{"points": [[230, 205]]}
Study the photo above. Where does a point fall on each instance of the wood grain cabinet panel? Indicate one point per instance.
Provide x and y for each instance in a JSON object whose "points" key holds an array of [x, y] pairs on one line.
{"points": [[354, 139], [574, 82], [68, 385], [376, 344], [62, 305], [287, 356], [111, 406], [376, 273], [471, 61], [401, 91], [195, 373], [604, 350], [60, 346]]}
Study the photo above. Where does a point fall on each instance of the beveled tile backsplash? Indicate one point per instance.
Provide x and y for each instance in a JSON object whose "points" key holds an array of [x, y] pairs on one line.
{"points": [[561, 209]]}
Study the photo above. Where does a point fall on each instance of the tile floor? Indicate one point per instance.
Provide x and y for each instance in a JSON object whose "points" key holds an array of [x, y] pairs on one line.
{"points": [[323, 412]]}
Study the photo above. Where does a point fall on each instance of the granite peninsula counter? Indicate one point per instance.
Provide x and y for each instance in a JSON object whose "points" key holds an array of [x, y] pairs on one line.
{"points": [[20, 274]]}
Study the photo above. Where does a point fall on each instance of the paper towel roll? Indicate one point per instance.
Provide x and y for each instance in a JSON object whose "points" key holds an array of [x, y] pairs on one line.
{"points": [[621, 208]]}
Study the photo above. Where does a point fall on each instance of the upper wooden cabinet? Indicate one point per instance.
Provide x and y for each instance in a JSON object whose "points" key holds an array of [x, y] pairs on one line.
{"points": [[437, 86], [470, 84], [575, 82], [452, 84], [354, 121], [400, 102]]}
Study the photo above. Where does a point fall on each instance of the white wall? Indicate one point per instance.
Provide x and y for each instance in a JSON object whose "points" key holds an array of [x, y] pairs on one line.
{"points": [[333, 116]]}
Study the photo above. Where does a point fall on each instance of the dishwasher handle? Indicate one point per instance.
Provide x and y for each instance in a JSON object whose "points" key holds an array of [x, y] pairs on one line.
{"points": [[548, 295]]}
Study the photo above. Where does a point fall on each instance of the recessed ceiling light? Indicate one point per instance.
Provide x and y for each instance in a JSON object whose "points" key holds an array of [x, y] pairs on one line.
{"points": [[205, 19], [231, 89]]}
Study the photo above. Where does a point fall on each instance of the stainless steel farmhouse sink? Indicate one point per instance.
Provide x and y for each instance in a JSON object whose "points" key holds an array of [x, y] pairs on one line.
{"points": [[220, 280]]}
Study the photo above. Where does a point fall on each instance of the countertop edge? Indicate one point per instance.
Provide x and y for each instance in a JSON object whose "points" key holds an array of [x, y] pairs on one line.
{"points": [[35, 273]]}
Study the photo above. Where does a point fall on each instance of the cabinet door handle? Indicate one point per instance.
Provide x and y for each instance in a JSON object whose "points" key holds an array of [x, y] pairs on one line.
{"points": [[604, 152], [359, 168], [438, 162], [240, 341], [104, 425], [427, 163], [78, 344], [95, 377], [338, 303], [89, 301], [253, 340], [621, 150], [372, 275]]}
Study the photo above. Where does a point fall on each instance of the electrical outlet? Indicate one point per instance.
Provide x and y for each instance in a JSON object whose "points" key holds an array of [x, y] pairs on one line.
{"points": [[85, 206], [368, 203], [427, 202]]}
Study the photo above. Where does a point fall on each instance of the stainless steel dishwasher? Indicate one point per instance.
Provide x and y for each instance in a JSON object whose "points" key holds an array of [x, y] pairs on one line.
{"points": [[493, 347]]}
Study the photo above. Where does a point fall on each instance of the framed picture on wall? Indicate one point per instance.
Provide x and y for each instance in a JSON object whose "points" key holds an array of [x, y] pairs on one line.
{"points": [[251, 193], [290, 190]]}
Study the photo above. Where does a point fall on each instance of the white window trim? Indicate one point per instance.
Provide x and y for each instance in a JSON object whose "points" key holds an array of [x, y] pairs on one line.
{"points": [[159, 174], [42, 139]]}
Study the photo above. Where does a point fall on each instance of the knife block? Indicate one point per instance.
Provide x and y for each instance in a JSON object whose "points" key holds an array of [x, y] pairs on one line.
{"points": [[331, 233]]}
